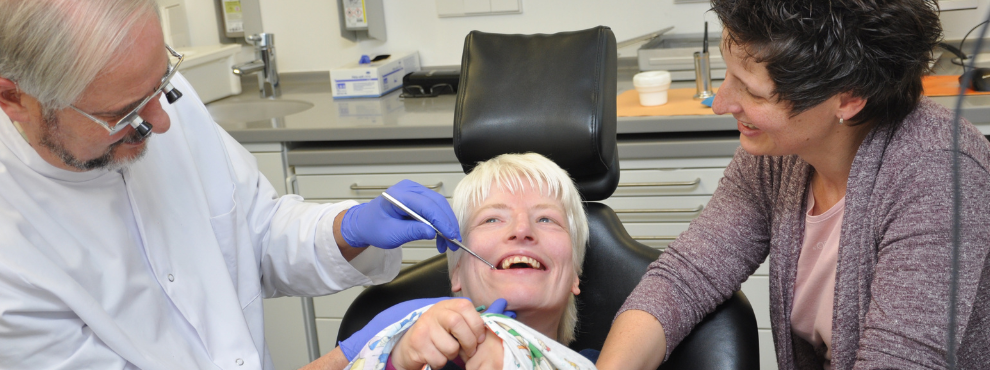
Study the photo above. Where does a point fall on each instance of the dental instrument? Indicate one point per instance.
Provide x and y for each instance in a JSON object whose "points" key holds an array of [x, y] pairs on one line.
{"points": [[419, 218]]}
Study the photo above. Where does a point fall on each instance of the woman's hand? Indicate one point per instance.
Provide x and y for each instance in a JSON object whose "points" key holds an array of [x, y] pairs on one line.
{"points": [[489, 355], [447, 329]]}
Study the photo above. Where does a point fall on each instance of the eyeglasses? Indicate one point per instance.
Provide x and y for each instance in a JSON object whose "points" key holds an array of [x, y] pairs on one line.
{"points": [[133, 118]]}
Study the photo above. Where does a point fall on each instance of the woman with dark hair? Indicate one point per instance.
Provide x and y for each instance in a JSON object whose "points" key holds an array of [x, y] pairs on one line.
{"points": [[844, 179]]}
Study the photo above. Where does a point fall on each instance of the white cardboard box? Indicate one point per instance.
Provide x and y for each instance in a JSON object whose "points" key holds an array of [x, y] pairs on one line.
{"points": [[373, 79]]}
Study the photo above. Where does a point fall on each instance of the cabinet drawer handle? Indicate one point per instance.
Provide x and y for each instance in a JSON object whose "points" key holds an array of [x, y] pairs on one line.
{"points": [[355, 186], [694, 182], [662, 210], [666, 237]]}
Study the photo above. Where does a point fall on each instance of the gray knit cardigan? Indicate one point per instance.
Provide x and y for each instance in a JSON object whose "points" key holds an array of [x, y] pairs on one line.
{"points": [[892, 279]]}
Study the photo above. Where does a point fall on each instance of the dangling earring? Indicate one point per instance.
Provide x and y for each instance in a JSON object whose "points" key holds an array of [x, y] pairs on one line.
{"points": [[840, 121]]}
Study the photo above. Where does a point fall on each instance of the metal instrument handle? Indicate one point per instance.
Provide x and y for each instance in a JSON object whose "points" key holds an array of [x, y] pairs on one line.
{"points": [[694, 182], [355, 186], [419, 218], [662, 210]]}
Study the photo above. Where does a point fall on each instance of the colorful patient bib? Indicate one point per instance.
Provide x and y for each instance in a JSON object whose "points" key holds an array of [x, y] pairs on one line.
{"points": [[524, 348]]}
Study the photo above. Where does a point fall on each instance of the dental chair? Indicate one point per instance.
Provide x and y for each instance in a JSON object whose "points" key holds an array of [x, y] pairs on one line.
{"points": [[556, 95]]}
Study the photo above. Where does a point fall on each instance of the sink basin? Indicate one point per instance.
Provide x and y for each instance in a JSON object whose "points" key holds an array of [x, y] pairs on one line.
{"points": [[255, 110]]}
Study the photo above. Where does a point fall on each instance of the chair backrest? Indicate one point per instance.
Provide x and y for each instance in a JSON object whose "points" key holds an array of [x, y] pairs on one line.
{"points": [[549, 94], [556, 95]]}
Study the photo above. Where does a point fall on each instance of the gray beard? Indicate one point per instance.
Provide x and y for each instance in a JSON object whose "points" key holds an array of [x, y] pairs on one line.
{"points": [[53, 140]]}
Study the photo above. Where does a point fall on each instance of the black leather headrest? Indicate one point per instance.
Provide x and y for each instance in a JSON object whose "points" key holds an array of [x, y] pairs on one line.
{"points": [[549, 94]]}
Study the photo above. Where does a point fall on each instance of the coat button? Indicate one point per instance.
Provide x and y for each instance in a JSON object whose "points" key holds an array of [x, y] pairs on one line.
{"points": [[171, 278], [239, 362]]}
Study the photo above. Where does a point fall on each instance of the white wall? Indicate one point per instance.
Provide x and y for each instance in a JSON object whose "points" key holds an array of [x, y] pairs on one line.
{"points": [[202, 22], [955, 23], [308, 36]]}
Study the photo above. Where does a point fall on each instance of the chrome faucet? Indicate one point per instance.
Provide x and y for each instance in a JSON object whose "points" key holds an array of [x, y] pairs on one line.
{"points": [[263, 64]]}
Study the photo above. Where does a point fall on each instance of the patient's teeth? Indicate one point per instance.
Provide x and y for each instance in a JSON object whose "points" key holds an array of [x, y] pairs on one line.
{"points": [[509, 261]]}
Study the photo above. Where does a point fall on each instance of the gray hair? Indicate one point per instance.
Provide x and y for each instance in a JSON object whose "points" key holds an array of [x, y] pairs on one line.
{"points": [[53, 49], [511, 173]]}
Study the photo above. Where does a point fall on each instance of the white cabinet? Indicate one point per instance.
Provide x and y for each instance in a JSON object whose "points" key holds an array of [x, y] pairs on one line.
{"points": [[271, 163], [757, 290], [285, 333], [657, 198], [366, 186], [329, 309]]}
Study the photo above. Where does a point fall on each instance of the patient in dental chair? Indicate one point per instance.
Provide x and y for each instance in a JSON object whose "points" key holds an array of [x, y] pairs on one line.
{"points": [[523, 213]]}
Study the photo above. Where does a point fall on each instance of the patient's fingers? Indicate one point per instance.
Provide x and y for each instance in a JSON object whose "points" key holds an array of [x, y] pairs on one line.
{"points": [[441, 347], [445, 345], [445, 330], [464, 323], [417, 348], [489, 355]]}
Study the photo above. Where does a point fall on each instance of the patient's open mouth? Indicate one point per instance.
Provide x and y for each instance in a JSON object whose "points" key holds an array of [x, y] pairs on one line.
{"points": [[520, 262]]}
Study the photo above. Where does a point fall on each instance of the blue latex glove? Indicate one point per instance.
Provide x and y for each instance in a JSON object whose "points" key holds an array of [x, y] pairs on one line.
{"points": [[499, 307], [382, 224], [352, 345]]}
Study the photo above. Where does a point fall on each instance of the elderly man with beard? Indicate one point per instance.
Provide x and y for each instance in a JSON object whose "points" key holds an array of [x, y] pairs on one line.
{"points": [[134, 232]]}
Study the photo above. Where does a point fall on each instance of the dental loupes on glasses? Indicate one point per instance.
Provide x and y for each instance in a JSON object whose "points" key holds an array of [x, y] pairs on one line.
{"points": [[419, 218]]}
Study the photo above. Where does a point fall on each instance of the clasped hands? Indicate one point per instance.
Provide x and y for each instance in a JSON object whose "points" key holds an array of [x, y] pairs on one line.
{"points": [[451, 329]]}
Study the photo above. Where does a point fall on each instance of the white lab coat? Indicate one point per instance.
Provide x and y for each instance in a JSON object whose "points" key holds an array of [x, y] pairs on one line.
{"points": [[162, 265]]}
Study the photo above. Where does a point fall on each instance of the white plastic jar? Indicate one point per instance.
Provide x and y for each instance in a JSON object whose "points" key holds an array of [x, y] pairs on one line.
{"points": [[652, 87]]}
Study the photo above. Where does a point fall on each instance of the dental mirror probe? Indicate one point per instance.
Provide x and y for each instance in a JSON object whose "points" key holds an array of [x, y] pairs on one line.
{"points": [[419, 218]]}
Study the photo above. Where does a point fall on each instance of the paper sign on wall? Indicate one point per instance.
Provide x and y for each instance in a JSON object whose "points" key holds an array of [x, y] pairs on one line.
{"points": [[355, 15], [233, 18]]}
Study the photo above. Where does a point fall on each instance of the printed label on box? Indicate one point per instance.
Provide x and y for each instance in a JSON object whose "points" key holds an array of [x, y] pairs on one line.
{"points": [[375, 79]]}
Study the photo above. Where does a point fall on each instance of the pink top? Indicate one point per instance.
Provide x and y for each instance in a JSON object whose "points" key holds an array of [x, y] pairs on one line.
{"points": [[814, 290]]}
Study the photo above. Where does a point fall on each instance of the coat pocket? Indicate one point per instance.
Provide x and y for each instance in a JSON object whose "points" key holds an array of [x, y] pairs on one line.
{"points": [[225, 230]]}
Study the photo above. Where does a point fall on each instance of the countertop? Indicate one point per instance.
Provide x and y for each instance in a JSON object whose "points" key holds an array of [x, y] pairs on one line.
{"points": [[392, 118]]}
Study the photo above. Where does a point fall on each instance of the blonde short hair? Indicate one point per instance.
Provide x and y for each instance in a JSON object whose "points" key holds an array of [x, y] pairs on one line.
{"points": [[511, 173], [53, 49]]}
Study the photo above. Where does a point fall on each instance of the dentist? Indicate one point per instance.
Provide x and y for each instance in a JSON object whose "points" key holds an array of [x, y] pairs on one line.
{"points": [[134, 232]]}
